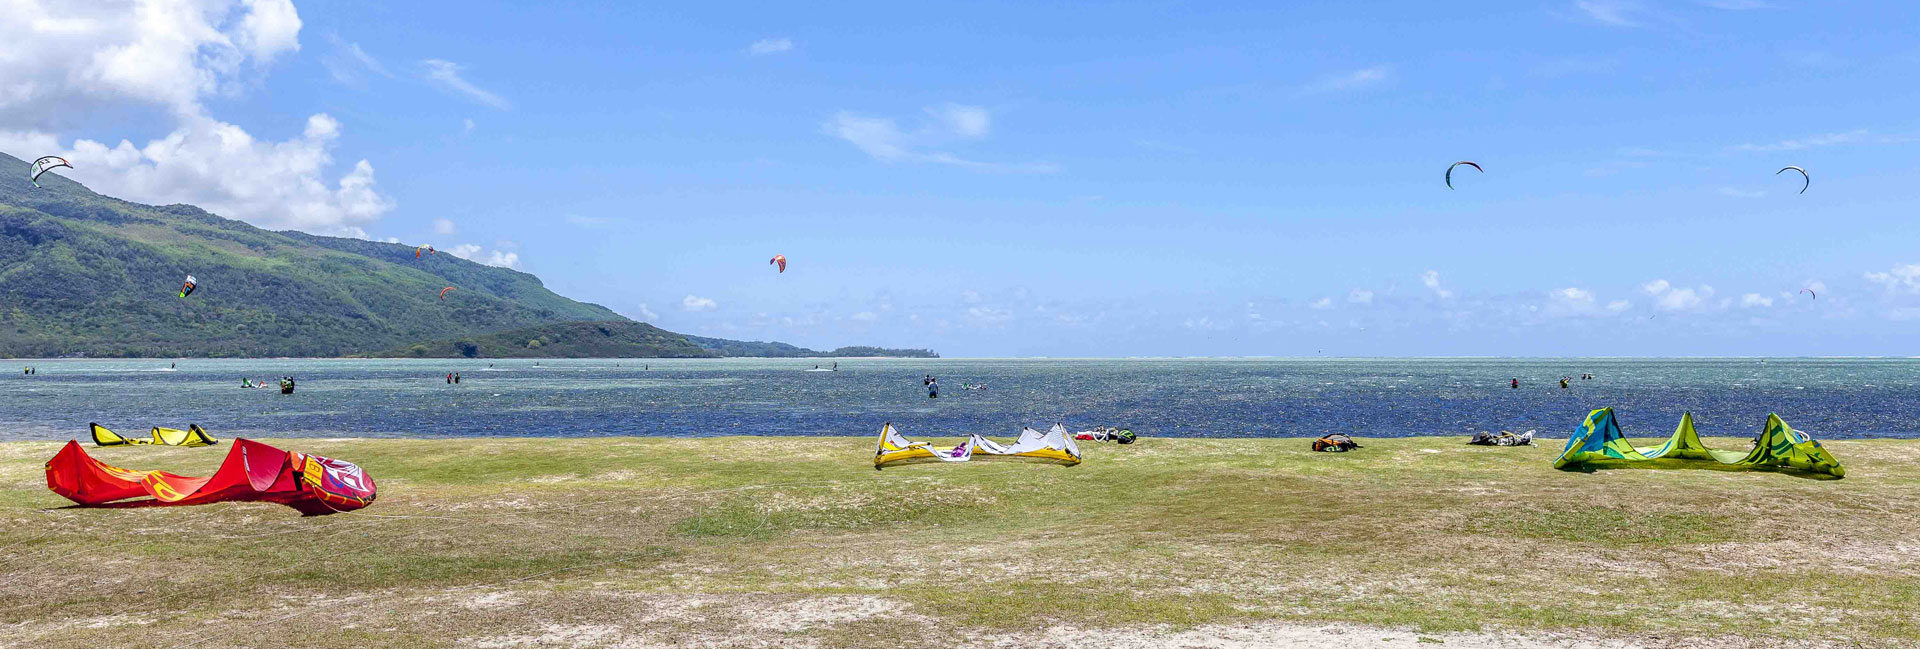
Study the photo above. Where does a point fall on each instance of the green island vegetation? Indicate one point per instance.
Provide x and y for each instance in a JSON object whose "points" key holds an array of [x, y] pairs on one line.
{"points": [[83, 274]]}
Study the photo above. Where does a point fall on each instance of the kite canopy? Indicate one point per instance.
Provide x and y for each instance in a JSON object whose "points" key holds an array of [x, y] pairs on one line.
{"points": [[43, 165], [1805, 179], [187, 287], [1054, 446], [1809, 291], [253, 471], [192, 436], [1470, 163], [443, 292], [1599, 440], [778, 260], [426, 248]]}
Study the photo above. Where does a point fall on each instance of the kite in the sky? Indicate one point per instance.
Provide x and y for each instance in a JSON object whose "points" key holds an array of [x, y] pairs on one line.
{"points": [[1809, 291], [443, 292], [1805, 179], [428, 248], [778, 260], [186, 289], [1469, 163], [43, 165]]}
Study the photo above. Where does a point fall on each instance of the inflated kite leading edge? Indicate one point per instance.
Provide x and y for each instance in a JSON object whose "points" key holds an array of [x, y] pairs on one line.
{"points": [[1054, 446], [252, 472], [1599, 440]]}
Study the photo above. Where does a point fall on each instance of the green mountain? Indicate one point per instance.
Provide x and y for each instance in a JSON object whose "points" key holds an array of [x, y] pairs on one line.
{"points": [[82, 273], [611, 339], [86, 274], [742, 348]]}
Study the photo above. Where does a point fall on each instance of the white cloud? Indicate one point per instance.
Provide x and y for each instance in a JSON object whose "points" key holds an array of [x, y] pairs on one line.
{"points": [[1572, 295], [1353, 80], [1617, 306], [1431, 279], [479, 254], [770, 46], [1611, 12], [220, 167], [1752, 300], [349, 65], [172, 54], [167, 53], [884, 140], [466, 126], [447, 74], [443, 226], [646, 314], [1358, 296], [865, 316], [1829, 139], [1901, 279], [1668, 297], [697, 304], [1322, 303], [966, 121]]}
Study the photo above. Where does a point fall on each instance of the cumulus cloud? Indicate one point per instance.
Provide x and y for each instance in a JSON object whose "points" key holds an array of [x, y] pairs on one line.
{"points": [[1901, 279], [1618, 306], [1358, 296], [220, 167], [447, 75], [1753, 300], [172, 54], [646, 314], [1322, 303], [697, 304], [884, 139], [766, 46], [443, 226], [1668, 297], [1431, 280], [167, 53], [477, 253]]}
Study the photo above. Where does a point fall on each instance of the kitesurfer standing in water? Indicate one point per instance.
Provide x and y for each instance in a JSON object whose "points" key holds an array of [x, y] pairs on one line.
{"points": [[933, 387]]}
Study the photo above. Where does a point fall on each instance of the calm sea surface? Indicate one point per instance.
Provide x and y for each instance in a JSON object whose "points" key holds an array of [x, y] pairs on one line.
{"points": [[1174, 397]]}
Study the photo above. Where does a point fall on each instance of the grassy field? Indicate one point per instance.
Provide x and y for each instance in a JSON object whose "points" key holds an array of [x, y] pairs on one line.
{"points": [[798, 542]]}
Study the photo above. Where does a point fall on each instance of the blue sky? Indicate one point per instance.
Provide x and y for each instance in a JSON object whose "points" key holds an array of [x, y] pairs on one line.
{"points": [[1023, 179]]}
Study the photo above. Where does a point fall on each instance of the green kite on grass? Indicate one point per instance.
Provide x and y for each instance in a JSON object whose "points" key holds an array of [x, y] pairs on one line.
{"points": [[1599, 440]]}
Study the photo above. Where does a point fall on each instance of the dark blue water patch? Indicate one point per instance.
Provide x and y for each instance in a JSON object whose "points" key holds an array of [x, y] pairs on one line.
{"points": [[1830, 398]]}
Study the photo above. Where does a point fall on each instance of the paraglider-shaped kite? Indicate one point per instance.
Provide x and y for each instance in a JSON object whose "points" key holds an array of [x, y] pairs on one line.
{"points": [[43, 165], [186, 289], [443, 292], [1469, 163], [1809, 291], [428, 248], [778, 260], [1805, 180]]}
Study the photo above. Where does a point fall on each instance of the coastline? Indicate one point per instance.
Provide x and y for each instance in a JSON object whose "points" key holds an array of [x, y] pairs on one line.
{"points": [[797, 541]]}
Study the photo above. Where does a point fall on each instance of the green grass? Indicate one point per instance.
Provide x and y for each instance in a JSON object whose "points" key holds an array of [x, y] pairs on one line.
{"points": [[669, 541]]}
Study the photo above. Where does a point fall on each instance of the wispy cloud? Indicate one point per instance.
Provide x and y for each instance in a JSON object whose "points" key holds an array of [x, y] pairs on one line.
{"points": [[697, 304], [1349, 81], [447, 75], [1902, 279], [1431, 279], [443, 226], [1735, 192], [884, 140], [349, 65], [1612, 12], [1809, 142], [1668, 297], [1734, 5], [767, 46]]}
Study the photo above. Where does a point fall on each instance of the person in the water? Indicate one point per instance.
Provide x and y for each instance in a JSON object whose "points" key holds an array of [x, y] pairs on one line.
{"points": [[1515, 384], [933, 388]]}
